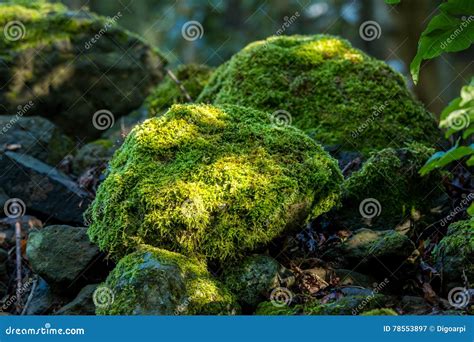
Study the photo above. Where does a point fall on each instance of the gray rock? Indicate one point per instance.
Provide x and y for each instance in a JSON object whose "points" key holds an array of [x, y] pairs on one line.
{"points": [[83, 304], [61, 255], [42, 188], [377, 249], [350, 277], [93, 154], [253, 279], [43, 300], [35, 136]]}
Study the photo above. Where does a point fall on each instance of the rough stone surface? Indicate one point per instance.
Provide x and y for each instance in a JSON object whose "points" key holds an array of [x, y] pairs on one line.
{"points": [[35, 136], [83, 304], [254, 278], [61, 255], [43, 189]]}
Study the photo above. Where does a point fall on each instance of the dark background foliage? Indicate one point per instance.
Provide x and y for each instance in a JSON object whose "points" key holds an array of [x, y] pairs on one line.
{"points": [[231, 24]]}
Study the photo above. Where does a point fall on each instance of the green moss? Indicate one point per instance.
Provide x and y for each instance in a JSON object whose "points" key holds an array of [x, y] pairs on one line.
{"points": [[193, 77], [380, 312], [269, 309], [336, 93], [455, 252], [50, 23], [349, 305], [156, 281], [215, 181], [391, 177]]}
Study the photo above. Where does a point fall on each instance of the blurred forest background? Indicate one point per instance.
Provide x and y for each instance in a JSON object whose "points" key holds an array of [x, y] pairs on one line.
{"points": [[231, 24]]}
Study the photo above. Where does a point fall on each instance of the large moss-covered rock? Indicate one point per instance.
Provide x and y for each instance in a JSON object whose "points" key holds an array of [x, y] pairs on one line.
{"points": [[190, 81], [215, 181], [71, 64], [388, 191], [336, 93], [154, 281], [454, 255]]}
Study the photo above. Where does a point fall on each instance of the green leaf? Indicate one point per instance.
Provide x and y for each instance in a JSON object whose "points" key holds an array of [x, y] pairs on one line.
{"points": [[392, 2], [470, 161], [445, 33], [441, 159]]}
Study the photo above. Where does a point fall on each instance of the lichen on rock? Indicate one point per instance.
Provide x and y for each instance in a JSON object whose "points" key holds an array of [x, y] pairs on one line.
{"points": [[213, 181], [153, 281], [334, 92]]}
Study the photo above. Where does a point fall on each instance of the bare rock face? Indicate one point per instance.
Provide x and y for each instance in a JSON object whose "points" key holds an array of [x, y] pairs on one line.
{"points": [[69, 65], [42, 189], [63, 256]]}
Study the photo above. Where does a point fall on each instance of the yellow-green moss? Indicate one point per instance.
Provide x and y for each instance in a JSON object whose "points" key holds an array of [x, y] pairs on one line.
{"points": [[193, 77], [391, 177], [336, 93], [215, 181], [269, 309], [454, 254], [139, 281]]}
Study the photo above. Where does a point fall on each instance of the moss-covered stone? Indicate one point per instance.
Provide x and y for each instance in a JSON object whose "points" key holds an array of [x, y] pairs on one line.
{"points": [[380, 312], [388, 190], [371, 249], [215, 181], [154, 281], [192, 77], [71, 64], [93, 154], [454, 255], [254, 278], [269, 309], [348, 305], [336, 93]]}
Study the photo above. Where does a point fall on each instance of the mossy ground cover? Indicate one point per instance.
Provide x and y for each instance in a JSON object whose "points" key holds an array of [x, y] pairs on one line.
{"points": [[334, 92], [213, 181]]}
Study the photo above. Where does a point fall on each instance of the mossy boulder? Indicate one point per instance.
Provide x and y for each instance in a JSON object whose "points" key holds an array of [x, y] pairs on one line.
{"points": [[214, 181], [71, 65], [334, 92], [153, 281], [192, 79], [254, 278], [387, 192], [454, 255]]}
